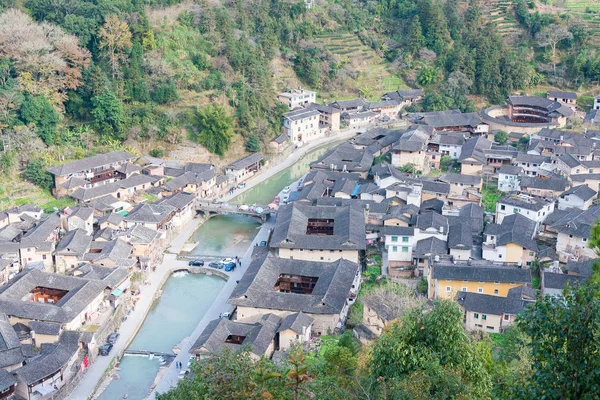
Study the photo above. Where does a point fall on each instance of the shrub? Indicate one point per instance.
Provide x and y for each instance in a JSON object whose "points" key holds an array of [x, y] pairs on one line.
{"points": [[157, 153]]}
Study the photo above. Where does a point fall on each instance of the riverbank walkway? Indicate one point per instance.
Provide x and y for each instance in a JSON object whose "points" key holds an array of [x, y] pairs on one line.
{"points": [[170, 376], [296, 155], [95, 373]]}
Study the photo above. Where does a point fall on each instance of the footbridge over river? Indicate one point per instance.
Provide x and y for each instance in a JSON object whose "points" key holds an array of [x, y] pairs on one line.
{"points": [[212, 209]]}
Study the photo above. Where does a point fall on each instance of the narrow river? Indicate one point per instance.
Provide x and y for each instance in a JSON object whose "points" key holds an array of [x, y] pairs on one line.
{"points": [[186, 298], [265, 192], [184, 301]]}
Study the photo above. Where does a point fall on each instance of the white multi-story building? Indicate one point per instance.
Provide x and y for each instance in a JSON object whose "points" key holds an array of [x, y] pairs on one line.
{"points": [[297, 97], [508, 178], [534, 208], [302, 126]]}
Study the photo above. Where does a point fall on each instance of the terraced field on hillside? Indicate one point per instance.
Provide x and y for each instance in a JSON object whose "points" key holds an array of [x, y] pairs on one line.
{"points": [[502, 16], [589, 11], [374, 75]]}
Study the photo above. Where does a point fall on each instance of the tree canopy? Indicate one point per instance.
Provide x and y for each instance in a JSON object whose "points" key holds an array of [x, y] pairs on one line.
{"points": [[214, 128]]}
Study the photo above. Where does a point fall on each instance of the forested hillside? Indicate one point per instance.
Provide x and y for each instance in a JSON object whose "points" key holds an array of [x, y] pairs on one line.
{"points": [[85, 76]]}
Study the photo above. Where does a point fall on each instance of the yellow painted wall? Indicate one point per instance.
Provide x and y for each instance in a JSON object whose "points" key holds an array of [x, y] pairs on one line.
{"points": [[417, 158], [40, 339], [468, 169], [472, 287], [514, 253], [394, 222]]}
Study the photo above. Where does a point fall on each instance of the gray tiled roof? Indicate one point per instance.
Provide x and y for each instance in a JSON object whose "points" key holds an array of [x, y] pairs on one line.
{"points": [[45, 328], [435, 187], [198, 168], [355, 160], [90, 162], [139, 234], [569, 160], [113, 218], [584, 192], [433, 204], [329, 295], [301, 113], [80, 293], [10, 345], [52, 360], [475, 213], [116, 250], [40, 233], [562, 95], [150, 213], [515, 228], [577, 222], [291, 226], [493, 305], [95, 192], [526, 202], [75, 242], [554, 184], [583, 268], [178, 200], [6, 380], [82, 212], [461, 178], [531, 158], [398, 230], [128, 168], [559, 281], [549, 105], [431, 246], [444, 119], [245, 162], [137, 180], [402, 95], [475, 148], [280, 139], [482, 273], [111, 277], [345, 104], [510, 170], [257, 336], [296, 322], [449, 138], [103, 203], [460, 236], [434, 220]]}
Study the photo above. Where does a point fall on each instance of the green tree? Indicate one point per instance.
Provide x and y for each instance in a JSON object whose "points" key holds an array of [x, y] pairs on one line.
{"points": [[565, 345], [428, 76], [214, 127], [445, 163], [38, 111], [432, 349], [436, 102], [36, 173], [108, 113], [230, 375], [415, 40], [501, 137], [253, 144]]}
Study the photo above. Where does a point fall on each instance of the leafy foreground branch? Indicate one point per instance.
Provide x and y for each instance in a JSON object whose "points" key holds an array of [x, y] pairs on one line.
{"points": [[551, 353]]}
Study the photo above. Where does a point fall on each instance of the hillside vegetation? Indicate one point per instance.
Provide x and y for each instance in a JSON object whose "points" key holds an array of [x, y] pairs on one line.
{"points": [[84, 76]]}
